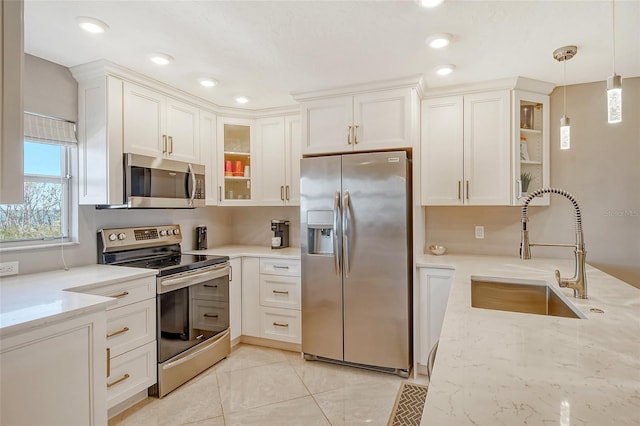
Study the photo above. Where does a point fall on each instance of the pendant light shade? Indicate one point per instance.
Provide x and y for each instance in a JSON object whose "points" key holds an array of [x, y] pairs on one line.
{"points": [[614, 82], [563, 54]]}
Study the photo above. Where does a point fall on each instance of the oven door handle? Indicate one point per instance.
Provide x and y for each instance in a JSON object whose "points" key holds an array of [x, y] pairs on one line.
{"points": [[194, 278]]}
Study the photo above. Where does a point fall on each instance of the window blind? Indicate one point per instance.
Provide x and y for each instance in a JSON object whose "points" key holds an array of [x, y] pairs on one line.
{"points": [[38, 128]]}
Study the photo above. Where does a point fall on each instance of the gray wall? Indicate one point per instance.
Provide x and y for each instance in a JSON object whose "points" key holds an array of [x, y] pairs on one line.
{"points": [[601, 170]]}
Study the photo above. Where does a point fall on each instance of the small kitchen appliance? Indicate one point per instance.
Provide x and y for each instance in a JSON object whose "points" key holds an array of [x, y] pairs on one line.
{"points": [[280, 230], [201, 237]]}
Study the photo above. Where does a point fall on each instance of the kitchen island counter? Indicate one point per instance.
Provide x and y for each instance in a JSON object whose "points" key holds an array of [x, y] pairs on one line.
{"points": [[506, 368]]}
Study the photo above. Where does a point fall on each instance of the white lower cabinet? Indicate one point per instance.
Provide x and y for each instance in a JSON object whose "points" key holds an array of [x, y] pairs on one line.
{"points": [[235, 298], [55, 375], [271, 299], [435, 284], [130, 338]]}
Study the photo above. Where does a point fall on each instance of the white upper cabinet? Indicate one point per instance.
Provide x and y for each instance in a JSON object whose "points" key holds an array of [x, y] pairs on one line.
{"points": [[11, 103], [209, 156], [236, 145], [363, 122], [466, 150], [278, 160], [159, 126], [530, 146]]}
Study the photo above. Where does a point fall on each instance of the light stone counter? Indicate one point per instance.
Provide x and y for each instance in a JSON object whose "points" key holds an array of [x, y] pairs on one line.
{"points": [[33, 300], [234, 251], [504, 368]]}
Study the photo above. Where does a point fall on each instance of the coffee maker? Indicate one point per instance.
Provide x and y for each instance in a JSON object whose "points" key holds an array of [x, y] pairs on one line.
{"points": [[280, 237]]}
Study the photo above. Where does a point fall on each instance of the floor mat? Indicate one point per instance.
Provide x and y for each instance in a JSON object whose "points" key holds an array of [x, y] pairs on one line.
{"points": [[407, 410]]}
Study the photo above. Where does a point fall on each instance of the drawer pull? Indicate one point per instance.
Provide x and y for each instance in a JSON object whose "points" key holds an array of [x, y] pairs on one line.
{"points": [[121, 379], [211, 315], [279, 324], [108, 362], [119, 295], [210, 286], [280, 292], [115, 333], [280, 267]]}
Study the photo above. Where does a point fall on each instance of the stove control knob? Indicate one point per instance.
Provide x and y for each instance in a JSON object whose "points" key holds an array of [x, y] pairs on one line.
{"points": [[112, 237], [176, 231], [163, 233], [122, 236]]}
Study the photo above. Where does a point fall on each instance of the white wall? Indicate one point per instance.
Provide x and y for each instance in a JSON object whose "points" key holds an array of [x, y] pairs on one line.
{"points": [[601, 170]]}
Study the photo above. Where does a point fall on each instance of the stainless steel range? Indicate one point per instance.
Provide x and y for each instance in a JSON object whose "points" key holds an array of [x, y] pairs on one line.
{"points": [[192, 299]]}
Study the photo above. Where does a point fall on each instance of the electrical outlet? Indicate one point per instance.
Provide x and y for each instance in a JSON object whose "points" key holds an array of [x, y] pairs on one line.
{"points": [[479, 232], [8, 268]]}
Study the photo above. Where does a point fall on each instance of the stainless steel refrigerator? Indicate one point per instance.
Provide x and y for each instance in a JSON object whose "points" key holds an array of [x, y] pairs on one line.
{"points": [[355, 217]]}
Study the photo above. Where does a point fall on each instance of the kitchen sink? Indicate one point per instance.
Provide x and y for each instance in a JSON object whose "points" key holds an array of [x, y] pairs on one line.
{"points": [[525, 297]]}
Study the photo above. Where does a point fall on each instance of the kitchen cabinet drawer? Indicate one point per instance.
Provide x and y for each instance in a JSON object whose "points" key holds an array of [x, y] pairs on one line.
{"points": [[210, 315], [274, 266], [131, 326], [281, 324], [280, 291], [131, 373], [212, 290], [128, 292]]}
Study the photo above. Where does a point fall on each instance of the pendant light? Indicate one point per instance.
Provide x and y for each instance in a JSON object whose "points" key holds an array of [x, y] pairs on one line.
{"points": [[563, 54], [614, 82]]}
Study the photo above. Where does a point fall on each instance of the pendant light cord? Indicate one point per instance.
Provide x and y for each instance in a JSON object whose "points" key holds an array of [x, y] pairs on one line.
{"points": [[613, 22], [564, 81]]}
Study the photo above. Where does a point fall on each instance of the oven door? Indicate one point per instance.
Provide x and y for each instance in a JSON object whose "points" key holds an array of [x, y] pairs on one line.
{"points": [[192, 307]]}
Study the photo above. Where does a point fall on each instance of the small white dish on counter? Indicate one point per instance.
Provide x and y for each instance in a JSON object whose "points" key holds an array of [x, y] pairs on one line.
{"points": [[438, 250]]}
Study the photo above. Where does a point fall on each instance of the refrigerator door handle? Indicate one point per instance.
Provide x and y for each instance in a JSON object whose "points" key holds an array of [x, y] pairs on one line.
{"points": [[336, 213], [345, 234]]}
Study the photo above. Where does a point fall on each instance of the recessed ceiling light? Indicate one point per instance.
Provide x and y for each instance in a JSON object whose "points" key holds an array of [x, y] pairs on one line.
{"points": [[430, 3], [438, 41], [160, 58], [208, 82], [444, 69], [242, 99], [92, 25]]}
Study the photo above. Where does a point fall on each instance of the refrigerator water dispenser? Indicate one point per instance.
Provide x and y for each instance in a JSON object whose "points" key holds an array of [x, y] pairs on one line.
{"points": [[320, 227]]}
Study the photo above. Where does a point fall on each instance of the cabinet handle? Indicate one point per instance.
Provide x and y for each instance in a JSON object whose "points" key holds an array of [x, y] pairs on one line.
{"points": [[115, 333], [210, 286], [280, 267], [287, 192], [355, 134], [119, 295], [121, 379], [220, 193], [230, 273], [282, 193], [280, 292], [349, 135], [467, 190], [108, 362], [170, 144], [459, 186], [519, 189], [164, 144], [279, 324], [211, 315]]}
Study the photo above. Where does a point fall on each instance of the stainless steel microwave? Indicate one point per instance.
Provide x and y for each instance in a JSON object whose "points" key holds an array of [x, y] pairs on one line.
{"points": [[151, 182]]}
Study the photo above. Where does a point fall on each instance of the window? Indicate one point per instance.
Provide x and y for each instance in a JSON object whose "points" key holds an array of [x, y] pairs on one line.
{"points": [[45, 213]]}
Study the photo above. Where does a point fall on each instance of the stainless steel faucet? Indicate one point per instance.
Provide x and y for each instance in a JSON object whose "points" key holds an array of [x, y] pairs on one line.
{"points": [[579, 281]]}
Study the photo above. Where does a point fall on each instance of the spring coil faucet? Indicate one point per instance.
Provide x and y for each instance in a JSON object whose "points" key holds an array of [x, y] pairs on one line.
{"points": [[579, 281]]}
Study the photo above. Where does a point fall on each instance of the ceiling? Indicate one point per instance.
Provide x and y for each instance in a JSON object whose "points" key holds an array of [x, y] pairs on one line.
{"points": [[266, 50]]}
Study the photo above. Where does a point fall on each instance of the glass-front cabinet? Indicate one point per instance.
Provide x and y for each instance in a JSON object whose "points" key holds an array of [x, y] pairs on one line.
{"points": [[235, 148], [530, 146]]}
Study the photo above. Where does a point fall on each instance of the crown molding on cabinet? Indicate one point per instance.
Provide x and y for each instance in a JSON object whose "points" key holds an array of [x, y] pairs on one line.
{"points": [[102, 67], [511, 83], [414, 81]]}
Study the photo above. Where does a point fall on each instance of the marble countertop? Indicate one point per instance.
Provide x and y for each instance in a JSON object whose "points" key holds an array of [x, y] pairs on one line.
{"points": [[33, 300], [234, 251], [505, 368]]}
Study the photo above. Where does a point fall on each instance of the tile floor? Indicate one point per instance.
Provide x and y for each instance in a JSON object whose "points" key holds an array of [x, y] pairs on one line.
{"points": [[263, 386]]}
